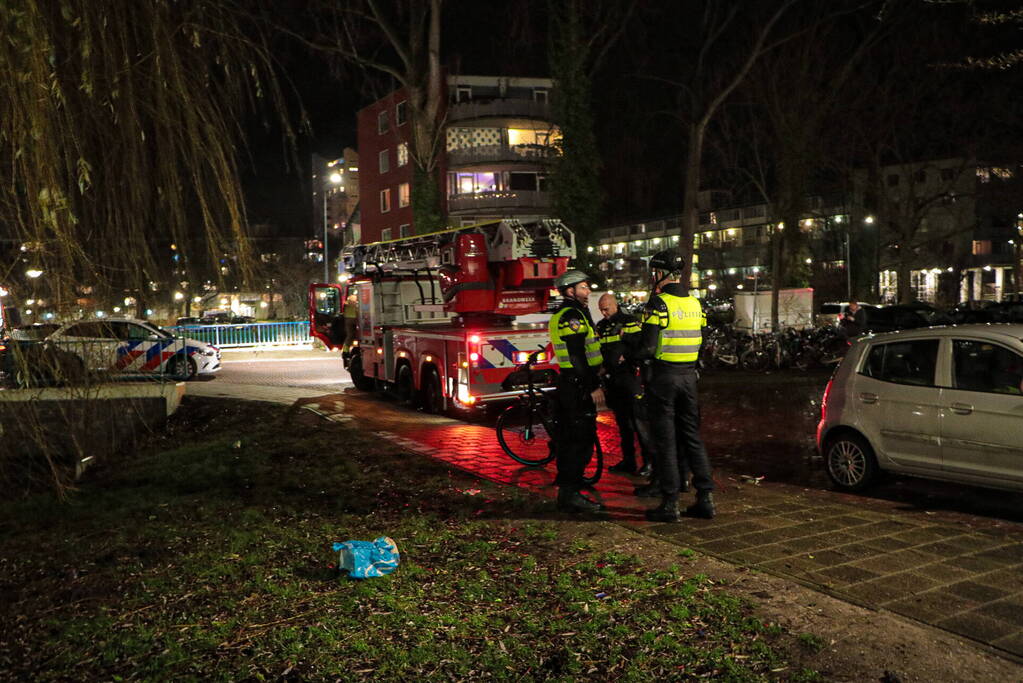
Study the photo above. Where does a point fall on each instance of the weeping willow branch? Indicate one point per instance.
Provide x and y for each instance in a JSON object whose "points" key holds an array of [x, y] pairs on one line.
{"points": [[119, 128]]}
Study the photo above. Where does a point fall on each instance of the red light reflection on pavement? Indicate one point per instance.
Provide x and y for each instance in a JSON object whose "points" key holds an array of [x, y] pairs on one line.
{"points": [[474, 449]]}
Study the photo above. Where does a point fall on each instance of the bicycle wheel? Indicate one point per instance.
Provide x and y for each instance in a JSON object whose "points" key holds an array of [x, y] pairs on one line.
{"points": [[595, 468], [526, 432]]}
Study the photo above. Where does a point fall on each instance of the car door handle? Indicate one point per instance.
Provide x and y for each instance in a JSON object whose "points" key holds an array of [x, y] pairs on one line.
{"points": [[962, 408], [868, 397]]}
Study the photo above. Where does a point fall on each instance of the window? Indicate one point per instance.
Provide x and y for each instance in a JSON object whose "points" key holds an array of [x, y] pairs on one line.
{"points": [[385, 200], [907, 362], [404, 196], [463, 93], [385, 234], [981, 247], [383, 123], [892, 180], [539, 94], [402, 153], [385, 161], [405, 230], [980, 366], [522, 181], [401, 113]]}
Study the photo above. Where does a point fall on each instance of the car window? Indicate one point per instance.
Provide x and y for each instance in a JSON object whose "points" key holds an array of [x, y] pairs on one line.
{"points": [[903, 362], [983, 366], [90, 329], [132, 331]]}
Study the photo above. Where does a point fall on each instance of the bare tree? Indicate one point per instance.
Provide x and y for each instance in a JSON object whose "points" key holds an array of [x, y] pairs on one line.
{"points": [[354, 32]]}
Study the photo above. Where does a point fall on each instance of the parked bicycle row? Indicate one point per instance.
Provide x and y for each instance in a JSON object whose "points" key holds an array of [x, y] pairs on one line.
{"points": [[726, 347]]}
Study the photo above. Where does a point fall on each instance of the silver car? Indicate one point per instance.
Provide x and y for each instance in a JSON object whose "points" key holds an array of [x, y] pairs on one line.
{"points": [[941, 402]]}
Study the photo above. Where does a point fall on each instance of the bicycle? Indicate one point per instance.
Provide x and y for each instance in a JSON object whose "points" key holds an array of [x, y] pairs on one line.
{"points": [[527, 428]]}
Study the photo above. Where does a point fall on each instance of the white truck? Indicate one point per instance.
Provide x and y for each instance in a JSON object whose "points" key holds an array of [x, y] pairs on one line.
{"points": [[753, 310]]}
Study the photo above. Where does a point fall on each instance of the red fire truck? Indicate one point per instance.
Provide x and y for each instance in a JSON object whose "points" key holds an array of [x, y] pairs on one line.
{"points": [[444, 318]]}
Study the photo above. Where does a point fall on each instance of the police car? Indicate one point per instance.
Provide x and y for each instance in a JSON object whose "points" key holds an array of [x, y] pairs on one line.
{"points": [[134, 347]]}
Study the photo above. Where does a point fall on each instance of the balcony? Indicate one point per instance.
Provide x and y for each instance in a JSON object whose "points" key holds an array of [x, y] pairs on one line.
{"points": [[493, 153], [505, 199], [478, 109]]}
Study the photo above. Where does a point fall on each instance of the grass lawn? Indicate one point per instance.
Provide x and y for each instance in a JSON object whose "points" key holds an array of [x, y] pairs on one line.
{"points": [[207, 557]]}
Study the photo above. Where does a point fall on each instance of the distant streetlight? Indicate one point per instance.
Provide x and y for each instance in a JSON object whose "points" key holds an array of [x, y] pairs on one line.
{"points": [[33, 273], [869, 220], [178, 296]]}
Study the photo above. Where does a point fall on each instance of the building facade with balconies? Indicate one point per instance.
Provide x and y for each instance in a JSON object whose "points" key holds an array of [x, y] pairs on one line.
{"points": [[955, 225], [497, 139]]}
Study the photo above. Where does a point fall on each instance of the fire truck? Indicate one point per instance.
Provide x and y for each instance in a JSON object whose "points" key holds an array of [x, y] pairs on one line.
{"points": [[444, 318]]}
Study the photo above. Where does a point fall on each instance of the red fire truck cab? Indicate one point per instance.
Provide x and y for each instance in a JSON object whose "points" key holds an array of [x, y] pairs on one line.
{"points": [[443, 319]]}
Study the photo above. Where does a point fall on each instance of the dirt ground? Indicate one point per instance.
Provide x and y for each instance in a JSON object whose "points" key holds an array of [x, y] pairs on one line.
{"points": [[852, 643]]}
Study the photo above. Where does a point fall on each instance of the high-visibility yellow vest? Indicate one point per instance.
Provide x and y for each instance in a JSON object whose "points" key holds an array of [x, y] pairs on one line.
{"points": [[680, 337], [559, 328]]}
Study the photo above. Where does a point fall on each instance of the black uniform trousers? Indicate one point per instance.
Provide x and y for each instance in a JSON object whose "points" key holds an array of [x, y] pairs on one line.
{"points": [[675, 426], [577, 428], [623, 392]]}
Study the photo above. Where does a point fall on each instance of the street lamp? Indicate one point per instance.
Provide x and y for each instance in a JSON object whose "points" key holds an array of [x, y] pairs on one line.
{"points": [[33, 273], [336, 179]]}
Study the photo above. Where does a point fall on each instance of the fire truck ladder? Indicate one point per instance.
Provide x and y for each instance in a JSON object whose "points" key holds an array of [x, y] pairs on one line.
{"points": [[507, 240]]}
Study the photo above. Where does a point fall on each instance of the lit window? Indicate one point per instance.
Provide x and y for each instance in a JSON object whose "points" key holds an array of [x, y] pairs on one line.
{"points": [[404, 195], [385, 200], [385, 161], [383, 122], [402, 153]]}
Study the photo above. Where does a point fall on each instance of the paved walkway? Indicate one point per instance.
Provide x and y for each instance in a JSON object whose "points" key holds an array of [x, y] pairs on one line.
{"points": [[945, 574]]}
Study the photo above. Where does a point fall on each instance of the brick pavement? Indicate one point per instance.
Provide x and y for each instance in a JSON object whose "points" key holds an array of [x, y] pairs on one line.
{"points": [[967, 581]]}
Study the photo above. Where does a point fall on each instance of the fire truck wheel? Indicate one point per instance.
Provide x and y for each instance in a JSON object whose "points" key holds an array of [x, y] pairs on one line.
{"points": [[433, 400], [404, 386], [361, 382]]}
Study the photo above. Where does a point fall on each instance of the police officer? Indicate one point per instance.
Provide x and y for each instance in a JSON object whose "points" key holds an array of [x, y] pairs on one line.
{"points": [[577, 354], [622, 388], [672, 333]]}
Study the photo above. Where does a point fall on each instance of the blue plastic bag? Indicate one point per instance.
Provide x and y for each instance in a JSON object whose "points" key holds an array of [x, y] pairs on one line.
{"points": [[367, 559]]}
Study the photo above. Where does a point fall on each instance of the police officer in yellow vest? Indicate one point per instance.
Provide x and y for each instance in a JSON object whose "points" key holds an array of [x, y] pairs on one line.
{"points": [[577, 353], [672, 334]]}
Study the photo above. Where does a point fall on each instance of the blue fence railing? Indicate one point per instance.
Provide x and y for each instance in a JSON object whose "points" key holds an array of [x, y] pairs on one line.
{"points": [[250, 334]]}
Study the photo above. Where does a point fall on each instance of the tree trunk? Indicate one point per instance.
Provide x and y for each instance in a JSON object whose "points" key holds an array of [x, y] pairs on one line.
{"points": [[903, 279], [690, 199]]}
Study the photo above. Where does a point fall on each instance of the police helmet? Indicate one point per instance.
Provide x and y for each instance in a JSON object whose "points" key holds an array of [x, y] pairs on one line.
{"points": [[669, 261], [570, 278]]}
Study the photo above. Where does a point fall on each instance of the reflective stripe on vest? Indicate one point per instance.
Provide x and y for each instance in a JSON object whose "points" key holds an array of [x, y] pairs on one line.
{"points": [[680, 337], [631, 327], [557, 328]]}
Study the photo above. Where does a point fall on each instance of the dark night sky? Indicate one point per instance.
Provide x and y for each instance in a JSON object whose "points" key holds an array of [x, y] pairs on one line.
{"points": [[639, 134]]}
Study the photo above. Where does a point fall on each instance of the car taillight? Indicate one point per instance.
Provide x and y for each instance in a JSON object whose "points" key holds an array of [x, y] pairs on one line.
{"points": [[824, 399]]}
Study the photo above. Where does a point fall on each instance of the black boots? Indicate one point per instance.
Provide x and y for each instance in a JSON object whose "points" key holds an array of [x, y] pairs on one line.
{"points": [[651, 490], [626, 466], [646, 470], [667, 511], [703, 507], [573, 501]]}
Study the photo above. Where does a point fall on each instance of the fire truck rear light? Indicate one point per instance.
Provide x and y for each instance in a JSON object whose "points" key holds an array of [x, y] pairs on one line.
{"points": [[521, 356], [474, 356], [475, 339], [402, 354], [355, 343], [465, 363], [429, 359], [380, 349]]}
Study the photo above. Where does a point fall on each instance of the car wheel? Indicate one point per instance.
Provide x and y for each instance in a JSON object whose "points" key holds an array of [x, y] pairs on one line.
{"points": [[851, 463], [433, 399], [179, 367]]}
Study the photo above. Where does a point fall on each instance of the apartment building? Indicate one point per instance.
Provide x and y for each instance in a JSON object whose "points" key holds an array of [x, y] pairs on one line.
{"points": [[497, 138], [955, 225]]}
